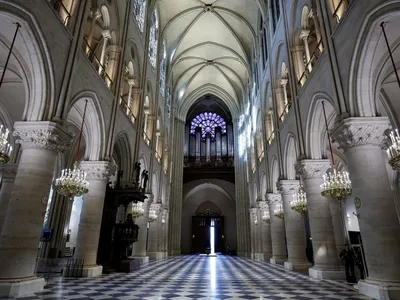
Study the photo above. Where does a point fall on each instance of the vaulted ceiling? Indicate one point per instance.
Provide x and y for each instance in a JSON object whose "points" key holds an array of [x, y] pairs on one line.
{"points": [[209, 45]]}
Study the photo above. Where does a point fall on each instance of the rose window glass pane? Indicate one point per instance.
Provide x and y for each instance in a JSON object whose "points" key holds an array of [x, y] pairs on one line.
{"points": [[208, 121], [139, 13]]}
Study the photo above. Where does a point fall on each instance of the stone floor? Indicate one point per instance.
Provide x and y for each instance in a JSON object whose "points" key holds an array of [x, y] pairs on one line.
{"points": [[195, 277]]}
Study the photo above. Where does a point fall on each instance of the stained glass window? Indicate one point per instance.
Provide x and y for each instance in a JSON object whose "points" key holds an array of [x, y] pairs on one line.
{"points": [[139, 13], [153, 40], [169, 96], [208, 122], [162, 73]]}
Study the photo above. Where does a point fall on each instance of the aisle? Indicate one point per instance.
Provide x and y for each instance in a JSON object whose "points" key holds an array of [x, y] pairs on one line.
{"points": [[194, 277]]}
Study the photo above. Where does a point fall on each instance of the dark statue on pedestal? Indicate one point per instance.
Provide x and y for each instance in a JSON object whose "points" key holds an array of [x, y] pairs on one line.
{"points": [[116, 237]]}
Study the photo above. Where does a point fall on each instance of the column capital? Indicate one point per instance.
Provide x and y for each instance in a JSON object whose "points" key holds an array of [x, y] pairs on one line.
{"points": [[274, 198], [131, 82], [253, 211], [262, 205], [353, 132], [156, 206], [313, 13], [106, 34], [284, 82], [98, 170], [288, 187], [43, 134], [312, 168], [304, 34], [95, 13]]}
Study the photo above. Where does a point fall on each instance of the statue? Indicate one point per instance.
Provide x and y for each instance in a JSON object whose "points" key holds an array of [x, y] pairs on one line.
{"points": [[137, 173], [145, 176]]}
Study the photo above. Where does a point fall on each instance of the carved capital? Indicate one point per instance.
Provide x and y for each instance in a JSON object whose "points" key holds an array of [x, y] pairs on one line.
{"points": [[253, 211], [106, 34], [353, 132], [98, 170], [274, 198], [47, 135], [156, 206], [262, 205], [312, 168], [288, 187], [95, 13]]}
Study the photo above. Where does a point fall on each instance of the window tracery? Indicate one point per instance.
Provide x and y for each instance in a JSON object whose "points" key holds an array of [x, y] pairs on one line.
{"points": [[153, 43], [208, 122], [139, 13], [162, 72]]}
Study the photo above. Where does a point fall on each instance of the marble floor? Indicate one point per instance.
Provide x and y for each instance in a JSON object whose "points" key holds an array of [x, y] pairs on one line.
{"points": [[195, 277]]}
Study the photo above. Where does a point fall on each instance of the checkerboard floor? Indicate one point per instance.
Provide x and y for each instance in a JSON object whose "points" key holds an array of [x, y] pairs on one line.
{"points": [[195, 277]]}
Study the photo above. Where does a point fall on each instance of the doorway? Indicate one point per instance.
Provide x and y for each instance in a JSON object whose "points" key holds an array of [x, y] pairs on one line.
{"points": [[207, 234]]}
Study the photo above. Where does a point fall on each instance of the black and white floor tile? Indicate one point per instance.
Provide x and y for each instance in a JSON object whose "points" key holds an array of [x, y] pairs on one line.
{"points": [[195, 277]]}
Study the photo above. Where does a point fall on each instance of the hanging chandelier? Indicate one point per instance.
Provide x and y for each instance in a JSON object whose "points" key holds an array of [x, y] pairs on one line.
{"points": [[394, 150], [5, 147], [337, 184], [73, 183], [278, 212], [266, 217], [299, 202], [137, 210], [152, 215]]}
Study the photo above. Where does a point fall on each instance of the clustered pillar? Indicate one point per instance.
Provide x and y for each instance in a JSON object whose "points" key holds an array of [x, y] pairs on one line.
{"points": [[279, 253]]}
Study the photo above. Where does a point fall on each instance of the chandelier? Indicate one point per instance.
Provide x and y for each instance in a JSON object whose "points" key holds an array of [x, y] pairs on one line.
{"points": [[337, 184], [266, 217], [73, 183], [5, 147], [299, 202], [137, 210], [394, 150], [152, 215], [278, 212]]}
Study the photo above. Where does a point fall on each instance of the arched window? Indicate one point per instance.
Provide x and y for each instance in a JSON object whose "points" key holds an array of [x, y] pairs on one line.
{"points": [[162, 71], [208, 122], [169, 98], [153, 43], [139, 13]]}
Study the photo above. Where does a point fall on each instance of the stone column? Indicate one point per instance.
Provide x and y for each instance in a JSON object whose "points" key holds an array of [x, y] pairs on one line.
{"points": [[112, 65], [294, 226], [284, 83], [253, 232], [19, 240], [304, 36], [361, 140], [337, 224], [8, 172], [277, 231], [96, 14], [164, 232], [299, 63], [155, 234], [106, 36], [131, 84], [314, 16], [325, 255], [266, 244], [280, 106], [87, 242], [139, 248]]}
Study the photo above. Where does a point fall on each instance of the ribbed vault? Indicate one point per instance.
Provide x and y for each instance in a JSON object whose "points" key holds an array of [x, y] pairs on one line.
{"points": [[209, 45]]}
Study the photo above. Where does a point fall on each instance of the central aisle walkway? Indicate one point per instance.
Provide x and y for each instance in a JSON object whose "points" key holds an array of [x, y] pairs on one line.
{"points": [[194, 277]]}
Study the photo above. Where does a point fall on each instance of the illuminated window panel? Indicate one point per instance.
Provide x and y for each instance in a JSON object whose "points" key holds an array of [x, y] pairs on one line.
{"points": [[208, 121], [139, 13]]}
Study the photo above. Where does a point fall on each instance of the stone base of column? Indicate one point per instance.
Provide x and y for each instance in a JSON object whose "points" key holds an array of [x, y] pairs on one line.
{"points": [[243, 254], [297, 266], [379, 290], [142, 260], [175, 252], [92, 271], [258, 256], [21, 288], [156, 255], [277, 260], [267, 256], [338, 274]]}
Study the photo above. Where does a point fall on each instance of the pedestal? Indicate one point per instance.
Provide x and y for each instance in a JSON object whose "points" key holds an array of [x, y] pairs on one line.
{"points": [[295, 229], [361, 139], [277, 231], [21, 288], [41, 142], [98, 173], [326, 259]]}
